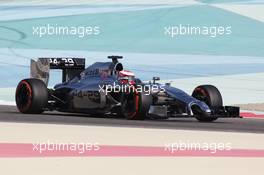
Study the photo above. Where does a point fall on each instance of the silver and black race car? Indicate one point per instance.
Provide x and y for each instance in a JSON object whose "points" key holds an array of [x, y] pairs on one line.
{"points": [[106, 88]]}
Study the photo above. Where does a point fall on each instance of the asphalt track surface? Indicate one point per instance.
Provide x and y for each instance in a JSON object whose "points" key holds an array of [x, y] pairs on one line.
{"points": [[10, 114]]}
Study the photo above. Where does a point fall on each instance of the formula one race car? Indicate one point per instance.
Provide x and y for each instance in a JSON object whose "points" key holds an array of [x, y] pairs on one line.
{"points": [[106, 88]]}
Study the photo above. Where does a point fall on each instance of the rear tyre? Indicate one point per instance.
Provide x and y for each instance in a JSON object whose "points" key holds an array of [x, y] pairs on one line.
{"points": [[135, 105], [211, 96], [31, 96]]}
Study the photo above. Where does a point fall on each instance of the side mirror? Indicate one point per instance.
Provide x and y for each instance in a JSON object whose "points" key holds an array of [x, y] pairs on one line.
{"points": [[167, 84], [155, 79]]}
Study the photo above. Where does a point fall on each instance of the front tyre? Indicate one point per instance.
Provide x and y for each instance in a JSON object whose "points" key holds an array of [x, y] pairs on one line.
{"points": [[31, 96], [211, 96]]}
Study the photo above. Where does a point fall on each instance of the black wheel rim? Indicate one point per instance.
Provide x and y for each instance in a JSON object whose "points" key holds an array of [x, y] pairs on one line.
{"points": [[129, 104], [202, 95]]}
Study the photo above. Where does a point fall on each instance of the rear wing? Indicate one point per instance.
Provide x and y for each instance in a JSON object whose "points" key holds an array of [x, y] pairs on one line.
{"points": [[70, 68]]}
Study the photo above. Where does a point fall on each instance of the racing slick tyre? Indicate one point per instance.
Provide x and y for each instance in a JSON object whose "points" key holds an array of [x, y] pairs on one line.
{"points": [[211, 96], [135, 105], [31, 96]]}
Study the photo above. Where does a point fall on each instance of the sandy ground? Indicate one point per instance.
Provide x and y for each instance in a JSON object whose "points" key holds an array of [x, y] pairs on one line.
{"points": [[35, 133], [252, 106], [26, 133], [132, 166], [251, 11]]}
